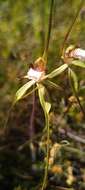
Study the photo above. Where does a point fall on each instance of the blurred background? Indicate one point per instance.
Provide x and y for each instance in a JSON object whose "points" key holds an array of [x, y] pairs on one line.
{"points": [[23, 30]]}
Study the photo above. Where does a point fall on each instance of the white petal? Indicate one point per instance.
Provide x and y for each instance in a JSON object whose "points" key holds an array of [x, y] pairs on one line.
{"points": [[35, 75], [79, 53]]}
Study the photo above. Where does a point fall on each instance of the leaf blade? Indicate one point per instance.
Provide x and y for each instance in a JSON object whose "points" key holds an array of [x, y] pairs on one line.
{"points": [[23, 89], [78, 63], [45, 105], [58, 71], [73, 75], [54, 85]]}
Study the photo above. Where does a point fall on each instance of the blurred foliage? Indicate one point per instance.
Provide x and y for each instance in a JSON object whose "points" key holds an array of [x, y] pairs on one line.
{"points": [[23, 28]]}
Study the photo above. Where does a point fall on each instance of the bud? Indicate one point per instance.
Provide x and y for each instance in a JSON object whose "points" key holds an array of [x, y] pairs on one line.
{"points": [[78, 53]]}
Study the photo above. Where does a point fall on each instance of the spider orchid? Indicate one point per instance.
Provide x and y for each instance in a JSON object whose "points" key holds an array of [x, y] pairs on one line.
{"points": [[72, 56], [37, 75]]}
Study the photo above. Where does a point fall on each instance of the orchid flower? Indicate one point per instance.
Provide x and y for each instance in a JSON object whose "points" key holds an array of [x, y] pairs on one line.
{"points": [[37, 77]]}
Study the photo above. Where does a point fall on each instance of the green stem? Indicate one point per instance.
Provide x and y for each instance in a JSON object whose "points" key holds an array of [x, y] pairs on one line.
{"points": [[71, 26], [46, 108], [49, 31], [45, 180], [31, 130], [76, 95]]}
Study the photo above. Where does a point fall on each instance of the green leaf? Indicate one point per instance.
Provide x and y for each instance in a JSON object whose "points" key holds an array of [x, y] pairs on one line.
{"points": [[57, 71], [54, 85], [45, 105], [78, 63], [23, 89], [73, 75], [27, 94]]}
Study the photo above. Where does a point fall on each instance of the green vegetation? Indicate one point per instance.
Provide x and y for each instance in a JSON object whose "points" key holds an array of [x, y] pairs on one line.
{"points": [[42, 121]]}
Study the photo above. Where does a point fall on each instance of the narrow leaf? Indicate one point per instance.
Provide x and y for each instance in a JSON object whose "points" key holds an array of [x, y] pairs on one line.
{"points": [[23, 89], [48, 107], [78, 63], [27, 94], [73, 75], [58, 71], [54, 85], [74, 91], [45, 105]]}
